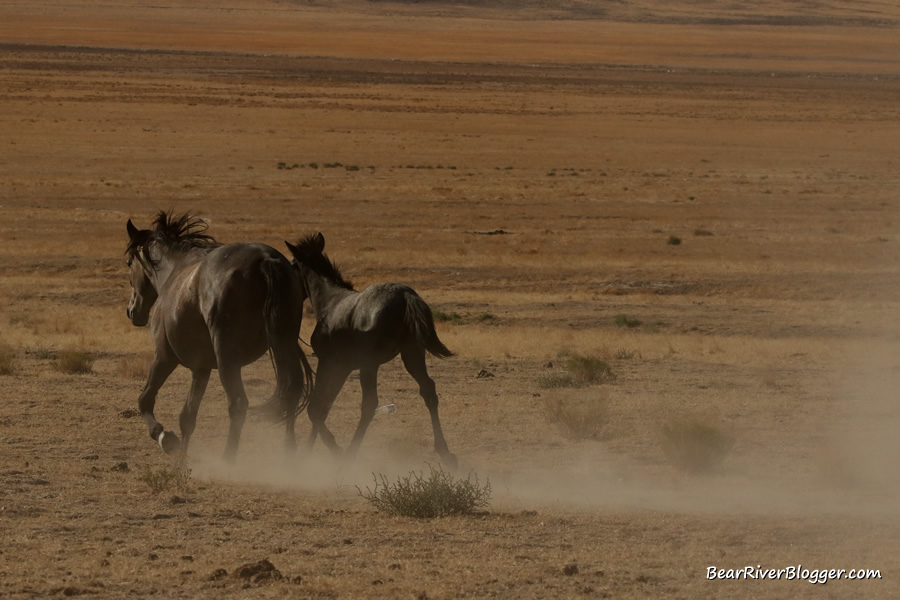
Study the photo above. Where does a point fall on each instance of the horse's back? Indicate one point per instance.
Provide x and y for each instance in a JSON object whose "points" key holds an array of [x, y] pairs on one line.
{"points": [[237, 285]]}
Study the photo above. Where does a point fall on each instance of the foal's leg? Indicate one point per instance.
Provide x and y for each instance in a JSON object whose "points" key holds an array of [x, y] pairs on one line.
{"points": [[188, 418], [330, 379], [414, 361], [160, 370], [230, 376], [368, 379]]}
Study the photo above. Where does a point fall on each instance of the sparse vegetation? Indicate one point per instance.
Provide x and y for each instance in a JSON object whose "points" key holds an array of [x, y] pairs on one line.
{"points": [[581, 370], [7, 361], [626, 321], [695, 446], [437, 494], [164, 478], [580, 420], [440, 316], [674, 240], [74, 362], [135, 366]]}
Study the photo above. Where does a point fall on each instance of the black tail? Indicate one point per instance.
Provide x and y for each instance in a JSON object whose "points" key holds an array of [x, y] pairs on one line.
{"points": [[420, 319], [293, 374]]}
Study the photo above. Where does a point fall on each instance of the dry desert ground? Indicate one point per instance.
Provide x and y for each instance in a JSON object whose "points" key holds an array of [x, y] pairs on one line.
{"points": [[701, 196]]}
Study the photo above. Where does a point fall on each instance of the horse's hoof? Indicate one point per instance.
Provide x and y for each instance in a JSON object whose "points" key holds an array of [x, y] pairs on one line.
{"points": [[450, 460], [169, 442]]}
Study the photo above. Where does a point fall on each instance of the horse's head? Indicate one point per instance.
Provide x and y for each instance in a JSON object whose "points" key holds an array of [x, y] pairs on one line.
{"points": [[141, 266]]}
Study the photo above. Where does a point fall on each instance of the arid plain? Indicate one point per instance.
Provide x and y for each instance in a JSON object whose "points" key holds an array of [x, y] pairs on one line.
{"points": [[702, 196]]}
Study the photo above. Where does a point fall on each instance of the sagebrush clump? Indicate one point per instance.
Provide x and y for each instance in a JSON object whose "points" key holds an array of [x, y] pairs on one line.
{"points": [[437, 494]]}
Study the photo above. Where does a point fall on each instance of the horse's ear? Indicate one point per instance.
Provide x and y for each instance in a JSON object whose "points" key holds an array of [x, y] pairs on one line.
{"points": [[132, 230], [291, 247], [320, 241]]}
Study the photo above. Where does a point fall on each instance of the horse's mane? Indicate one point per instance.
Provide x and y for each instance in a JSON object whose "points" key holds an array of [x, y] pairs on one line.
{"points": [[183, 233], [308, 251]]}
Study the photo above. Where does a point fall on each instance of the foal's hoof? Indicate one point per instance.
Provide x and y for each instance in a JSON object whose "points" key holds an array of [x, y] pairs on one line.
{"points": [[169, 442]]}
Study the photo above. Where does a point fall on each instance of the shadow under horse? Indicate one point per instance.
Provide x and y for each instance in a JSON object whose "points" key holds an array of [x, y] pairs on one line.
{"points": [[363, 330], [217, 307]]}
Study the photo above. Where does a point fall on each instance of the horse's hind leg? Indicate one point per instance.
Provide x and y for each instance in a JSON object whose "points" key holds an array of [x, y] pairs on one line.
{"points": [[188, 418], [414, 361], [230, 376], [160, 370], [368, 379]]}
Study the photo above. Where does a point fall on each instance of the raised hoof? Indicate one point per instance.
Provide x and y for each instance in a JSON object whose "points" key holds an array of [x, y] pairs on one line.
{"points": [[169, 442]]}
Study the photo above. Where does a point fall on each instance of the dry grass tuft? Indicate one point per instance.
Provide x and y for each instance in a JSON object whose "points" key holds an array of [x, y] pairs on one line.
{"points": [[7, 360], [695, 446], [437, 494], [579, 419], [135, 366], [73, 362], [581, 370]]}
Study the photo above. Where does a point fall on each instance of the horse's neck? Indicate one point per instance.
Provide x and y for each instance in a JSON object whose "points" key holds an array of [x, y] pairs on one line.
{"points": [[324, 293], [171, 263]]}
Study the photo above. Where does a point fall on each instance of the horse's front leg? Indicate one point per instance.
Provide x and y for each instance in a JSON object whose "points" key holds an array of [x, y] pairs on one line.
{"points": [[330, 379], [188, 418], [230, 375], [368, 379], [160, 370]]}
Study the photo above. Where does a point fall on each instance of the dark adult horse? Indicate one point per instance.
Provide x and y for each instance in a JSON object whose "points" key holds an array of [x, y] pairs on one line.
{"points": [[363, 330], [217, 307]]}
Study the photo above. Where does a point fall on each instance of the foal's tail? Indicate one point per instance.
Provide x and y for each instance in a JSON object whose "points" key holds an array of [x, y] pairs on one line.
{"points": [[421, 321], [293, 374]]}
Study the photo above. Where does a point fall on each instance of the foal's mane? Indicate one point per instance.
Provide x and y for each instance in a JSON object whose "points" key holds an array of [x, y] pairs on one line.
{"points": [[308, 252], [183, 233]]}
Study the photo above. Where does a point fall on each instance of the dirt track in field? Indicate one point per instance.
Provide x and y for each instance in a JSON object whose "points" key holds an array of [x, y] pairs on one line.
{"points": [[704, 199]]}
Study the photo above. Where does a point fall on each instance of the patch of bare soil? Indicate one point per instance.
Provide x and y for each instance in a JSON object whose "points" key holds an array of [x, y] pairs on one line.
{"points": [[700, 195]]}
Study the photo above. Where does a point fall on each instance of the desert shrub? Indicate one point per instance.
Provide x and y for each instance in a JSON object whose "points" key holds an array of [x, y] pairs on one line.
{"points": [[7, 361], [589, 369], [437, 494], [163, 478], [674, 240], [135, 366], [626, 321], [695, 446], [581, 370], [440, 316], [73, 361], [580, 420]]}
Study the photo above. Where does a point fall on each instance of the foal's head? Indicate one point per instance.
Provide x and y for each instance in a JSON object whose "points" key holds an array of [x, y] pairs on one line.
{"points": [[309, 256]]}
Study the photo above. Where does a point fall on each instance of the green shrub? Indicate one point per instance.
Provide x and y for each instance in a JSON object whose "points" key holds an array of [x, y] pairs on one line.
{"points": [[695, 446], [73, 362], [422, 496]]}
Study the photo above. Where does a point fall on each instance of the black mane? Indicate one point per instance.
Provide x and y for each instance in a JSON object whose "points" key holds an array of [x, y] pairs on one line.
{"points": [[182, 233], [308, 252]]}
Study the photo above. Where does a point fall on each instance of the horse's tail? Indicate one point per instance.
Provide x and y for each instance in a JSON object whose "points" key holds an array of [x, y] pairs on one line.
{"points": [[421, 321], [293, 374]]}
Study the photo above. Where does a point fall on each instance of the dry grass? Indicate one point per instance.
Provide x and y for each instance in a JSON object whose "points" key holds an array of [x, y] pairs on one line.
{"points": [[73, 362], [695, 446], [578, 418], [135, 366], [8, 360]]}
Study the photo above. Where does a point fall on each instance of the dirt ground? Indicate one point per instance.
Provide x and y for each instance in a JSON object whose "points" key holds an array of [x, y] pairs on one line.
{"points": [[702, 195]]}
